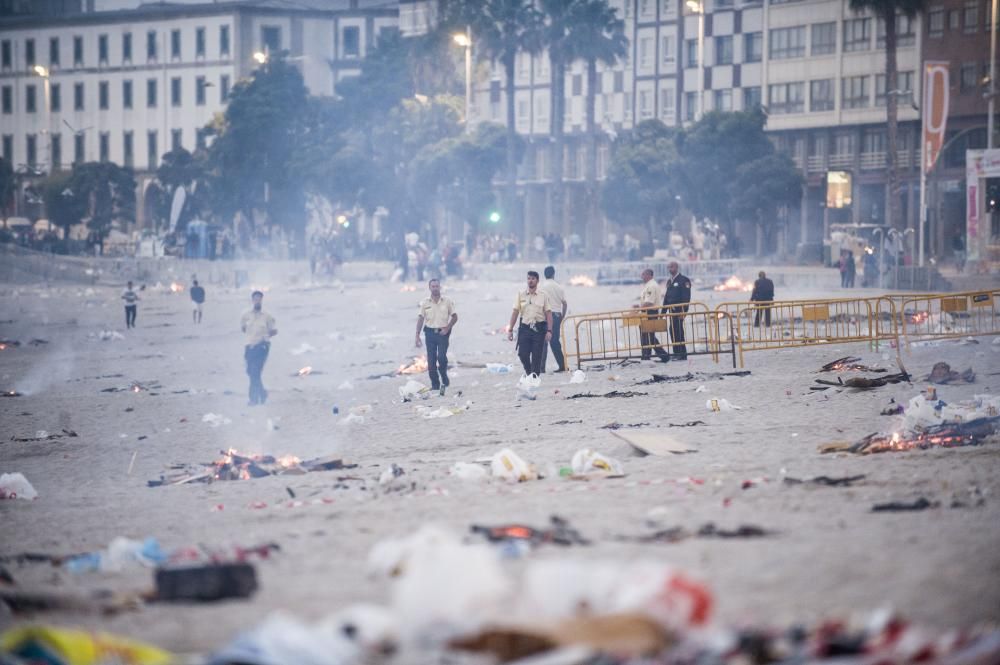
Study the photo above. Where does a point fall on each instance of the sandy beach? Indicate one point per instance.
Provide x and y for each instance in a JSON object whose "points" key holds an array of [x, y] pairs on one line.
{"points": [[829, 555]]}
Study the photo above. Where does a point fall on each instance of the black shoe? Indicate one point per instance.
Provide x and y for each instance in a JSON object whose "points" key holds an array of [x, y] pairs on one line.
{"points": [[681, 358], [664, 359], [442, 390]]}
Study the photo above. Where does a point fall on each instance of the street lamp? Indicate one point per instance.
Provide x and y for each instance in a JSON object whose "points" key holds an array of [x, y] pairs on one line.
{"points": [[464, 39], [698, 7]]}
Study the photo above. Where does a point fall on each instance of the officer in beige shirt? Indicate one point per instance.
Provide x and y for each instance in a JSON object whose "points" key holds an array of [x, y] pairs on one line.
{"points": [[535, 330], [259, 327], [436, 317], [650, 297], [557, 301]]}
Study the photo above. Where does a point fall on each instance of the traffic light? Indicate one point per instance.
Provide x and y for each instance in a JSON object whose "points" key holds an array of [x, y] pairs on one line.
{"points": [[494, 217]]}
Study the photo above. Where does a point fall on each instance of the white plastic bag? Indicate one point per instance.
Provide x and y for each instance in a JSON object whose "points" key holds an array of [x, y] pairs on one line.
{"points": [[351, 419], [590, 461], [498, 368], [215, 419], [717, 404], [579, 376], [527, 386], [413, 390], [508, 465], [466, 471], [16, 486]]}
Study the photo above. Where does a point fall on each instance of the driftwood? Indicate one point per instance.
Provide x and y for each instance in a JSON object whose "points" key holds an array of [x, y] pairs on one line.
{"points": [[850, 364]]}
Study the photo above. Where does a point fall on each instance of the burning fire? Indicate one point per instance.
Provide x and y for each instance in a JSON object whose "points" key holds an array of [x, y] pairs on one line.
{"points": [[418, 366], [409, 288], [3, 347], [947, 435], [305, 371], [176, 287], [919, 317], [734, 283], [582, 280]]}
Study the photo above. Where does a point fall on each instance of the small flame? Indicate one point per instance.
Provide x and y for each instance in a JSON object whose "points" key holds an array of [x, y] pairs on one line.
{"points": [[286, 461], [3, 347], [176, 287], [582, 280], [418, 366], [733, 283], [919, 317], [408, 288], [305, 371]]}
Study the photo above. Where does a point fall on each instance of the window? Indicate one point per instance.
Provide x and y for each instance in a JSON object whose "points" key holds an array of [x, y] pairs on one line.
{"points": [[904, 86], [724, 50], [645, 104], [645, 52], [8, 147], [690, 52], [53, 52], [175, 139], [690, 106], [722, 100], [127, 149], [30, 98], [78, 51], [857, 34], [753, 46], [667, 50], [29, 52], [270, 38], [31, 143], [970, 17], [954, 19], [56, 157], [199, 91], [7, 99], [127, 47], [874, 140], [905, 35], [104, 146], [175, 91], [787, 42], [667, 103], [175, 44], [151, 45], [843, 144], [102, 95], [151, 93], [723, 4], [751, 98], [5, 54], [854, 93], [619, 82], [102, 49], [824, 38], [935, 23], [577, 84], [127, 94], [152, 153], [223, 40], [522, 110], [352, 42], [79, 148], [199, 42], [821, 95], [55, 97], [223, 88], [967, 77], [77, 96], [785, 98]]}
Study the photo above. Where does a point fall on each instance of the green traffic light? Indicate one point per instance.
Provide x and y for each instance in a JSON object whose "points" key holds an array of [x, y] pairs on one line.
{"points": [[494, 217]]}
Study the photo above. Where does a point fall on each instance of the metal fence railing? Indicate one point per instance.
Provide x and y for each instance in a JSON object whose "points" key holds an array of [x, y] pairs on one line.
{"points": [[950, 315]]}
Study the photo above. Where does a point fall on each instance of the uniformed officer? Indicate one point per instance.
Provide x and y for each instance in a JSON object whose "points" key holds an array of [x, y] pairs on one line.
{"points": [[676, 299], [259, 327], [535, 329], [650, 297], [436, 317], [557, 301]]}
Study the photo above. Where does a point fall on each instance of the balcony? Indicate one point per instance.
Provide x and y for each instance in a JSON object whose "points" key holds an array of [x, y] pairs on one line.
{"points": [[873, 160], [816, 164], [841, 161]]}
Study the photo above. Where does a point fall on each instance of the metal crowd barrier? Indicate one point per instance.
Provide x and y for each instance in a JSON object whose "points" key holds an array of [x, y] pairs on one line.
{"points": [[619, 335], [630, 272], [950, 315]]}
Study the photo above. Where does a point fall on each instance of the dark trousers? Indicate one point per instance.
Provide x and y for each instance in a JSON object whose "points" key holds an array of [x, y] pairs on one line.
{"points": [[556, 345], [531, 346], [130, 311], [650, 344], [256, 356], [677, 348], [437, 356], [762, 307]]}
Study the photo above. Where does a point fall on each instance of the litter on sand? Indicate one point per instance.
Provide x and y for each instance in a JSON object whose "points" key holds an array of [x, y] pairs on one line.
{"points": [[845, 481], [717, 404], [693, 376], [902, 506], [215, 419], [866, 383], [654, 443], [587, 461], [559, 533], [613, 393], [16, 486], [64, 646], [943, 374], [508, 465], [849, 364]]}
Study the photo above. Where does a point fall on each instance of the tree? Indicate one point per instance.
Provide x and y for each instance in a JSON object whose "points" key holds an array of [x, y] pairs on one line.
{"points": [[178, 168], [641, 186], [761, 189], [557, 35], [6, 185], [504, 28], [63, 205], [887, 11], [108, 191]]}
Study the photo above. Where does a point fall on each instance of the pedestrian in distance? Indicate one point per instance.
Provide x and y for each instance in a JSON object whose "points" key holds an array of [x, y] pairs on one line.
{"points": [[532, 307], [131, 299], [197, 299], [763, 292], [649, 301], [259, 327], [676, 301], [557, 301], [436, 317]]}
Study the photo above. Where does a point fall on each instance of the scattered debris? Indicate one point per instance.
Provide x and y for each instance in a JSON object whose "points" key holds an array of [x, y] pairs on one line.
{"points": [[559, 533], [206, 583], [942, 374], [715, 404], [567, 422], [16, 486], [849, 364], [895, 410], [234, 466], [901, 506], [579, 376], [47, 644], [709, 530], [508, 465], [467, 471], [945, 435], [654, 443], [613, 393], [866, 383], [616, 425], [845, 481], [215, 419], [10, 393], [390, 474], [586, 461], [692, 376], [42, 435]]}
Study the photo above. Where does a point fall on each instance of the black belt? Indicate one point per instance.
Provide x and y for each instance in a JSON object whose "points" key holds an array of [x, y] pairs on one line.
{"points": [[433, 330], [535, 326]]}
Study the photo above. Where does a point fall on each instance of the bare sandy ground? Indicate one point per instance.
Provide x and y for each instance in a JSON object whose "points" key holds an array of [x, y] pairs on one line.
{"points": [[831, 555]]}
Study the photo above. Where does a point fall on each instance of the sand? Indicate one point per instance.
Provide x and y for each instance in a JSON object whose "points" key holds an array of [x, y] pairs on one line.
{"points": [[831, 556]]}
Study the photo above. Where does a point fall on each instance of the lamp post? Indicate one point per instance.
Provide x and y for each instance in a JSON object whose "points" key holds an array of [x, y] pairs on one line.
{"points": [[44, 73], [464, 39], [993, 74], [698, 7]]}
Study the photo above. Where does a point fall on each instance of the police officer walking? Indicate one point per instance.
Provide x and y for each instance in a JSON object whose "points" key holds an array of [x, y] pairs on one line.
{"points": [[557, 301], [535, 329], [436, 317], [650, 298], [676, 300], [763, 292], [259, 327]]}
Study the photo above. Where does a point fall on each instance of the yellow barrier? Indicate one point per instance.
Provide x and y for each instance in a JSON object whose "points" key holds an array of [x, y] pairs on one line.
{"points": [[951, 315], [637, 333]]}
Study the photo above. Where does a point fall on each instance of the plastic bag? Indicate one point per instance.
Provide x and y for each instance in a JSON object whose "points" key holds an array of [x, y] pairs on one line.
{"points": [[498, 368], [283, 639], [466, 471], [579, 376], [215, 419], [77, 647], [716, 404], [351, 419], [589, 461], [527, 386], [507, 465], [120, 553], [413, 390], [16, 486]]}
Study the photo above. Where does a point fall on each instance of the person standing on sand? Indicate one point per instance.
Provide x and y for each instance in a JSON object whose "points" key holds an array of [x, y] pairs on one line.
{"points": [[259, 327], [676, 300], [557, 301], [532, 306], [763, 292], [131, 298], [648, 298], [198, 298], [436, 317]]}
